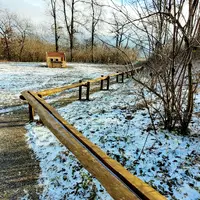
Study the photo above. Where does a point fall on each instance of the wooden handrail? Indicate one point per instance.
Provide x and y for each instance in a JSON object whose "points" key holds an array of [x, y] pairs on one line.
{"points": [[119, 182], [52, 91]]}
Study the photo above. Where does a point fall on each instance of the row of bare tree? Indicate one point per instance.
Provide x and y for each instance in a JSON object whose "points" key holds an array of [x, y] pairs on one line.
{"points": [[13, 30], [91, 18], [19, 39], [76, 24]]}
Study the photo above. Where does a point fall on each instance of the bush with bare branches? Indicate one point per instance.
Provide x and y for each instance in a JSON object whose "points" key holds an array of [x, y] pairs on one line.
{"points": [[167, 31]]}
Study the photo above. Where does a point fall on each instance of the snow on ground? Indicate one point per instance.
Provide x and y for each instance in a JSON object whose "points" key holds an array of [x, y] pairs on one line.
{"points": [[62, 176], [17, 77], [113, 121]]}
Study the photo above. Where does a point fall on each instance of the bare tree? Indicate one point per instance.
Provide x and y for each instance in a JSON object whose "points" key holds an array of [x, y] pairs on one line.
{"points": [[53, 4], [170, 36], [96, 14], [19, 40], [118, 29], [23, 28], [69, 22], [6, 32]]}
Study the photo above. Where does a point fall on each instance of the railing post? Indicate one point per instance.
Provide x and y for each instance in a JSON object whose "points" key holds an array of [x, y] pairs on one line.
{"points": [[39, 95], [80, 90], [88, 91], [117, 78], [122, 77], [108, 82], [101, 87], [31, 113], [132, 72], [127, 74]]}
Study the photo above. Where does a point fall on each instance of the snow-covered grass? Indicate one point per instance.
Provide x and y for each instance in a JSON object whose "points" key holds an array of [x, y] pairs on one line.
{"points": [[112, 120], [17, 77], [62, 176]]}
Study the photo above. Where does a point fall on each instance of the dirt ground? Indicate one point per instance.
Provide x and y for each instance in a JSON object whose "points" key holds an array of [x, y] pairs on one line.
{"points": [[19, 169]]}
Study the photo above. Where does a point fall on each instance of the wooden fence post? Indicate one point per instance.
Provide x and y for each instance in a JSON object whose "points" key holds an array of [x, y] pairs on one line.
{"points": [[101, 87], [88, 91], [80, 90], [132, 72], [122, 77], [127, 74], [108, 82], [117, 78], [40, 120], [31, 113]]}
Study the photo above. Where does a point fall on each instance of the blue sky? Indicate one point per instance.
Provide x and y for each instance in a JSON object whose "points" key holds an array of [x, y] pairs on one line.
{"points": [[35, 10]]}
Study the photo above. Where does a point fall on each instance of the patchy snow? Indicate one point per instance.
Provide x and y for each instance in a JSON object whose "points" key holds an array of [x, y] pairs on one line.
{"points": [[17, 77], [169, 162], [62, 176], [114, 121]]}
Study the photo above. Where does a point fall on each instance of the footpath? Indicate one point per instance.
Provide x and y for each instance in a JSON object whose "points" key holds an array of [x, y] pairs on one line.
{"points": [[19, 169]]}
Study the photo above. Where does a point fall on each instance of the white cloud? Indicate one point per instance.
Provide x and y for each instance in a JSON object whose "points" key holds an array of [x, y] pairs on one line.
{"points": [[34, 10]]}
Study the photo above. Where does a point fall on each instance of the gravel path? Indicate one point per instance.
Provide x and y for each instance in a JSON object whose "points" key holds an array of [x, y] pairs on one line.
{"points": [[19, 169]]}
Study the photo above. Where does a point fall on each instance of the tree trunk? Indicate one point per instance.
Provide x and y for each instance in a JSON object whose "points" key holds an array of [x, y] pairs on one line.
{"points": [[54, 15], [56, 32], [72, 31], [92, 32]]}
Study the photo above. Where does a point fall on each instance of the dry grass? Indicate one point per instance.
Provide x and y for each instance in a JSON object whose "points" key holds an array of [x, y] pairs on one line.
{"points": [[104, 55], [35, 51]]}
